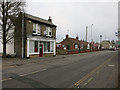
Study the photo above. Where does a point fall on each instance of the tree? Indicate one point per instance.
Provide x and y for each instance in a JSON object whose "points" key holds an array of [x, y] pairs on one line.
{"points": [[9, 11]]}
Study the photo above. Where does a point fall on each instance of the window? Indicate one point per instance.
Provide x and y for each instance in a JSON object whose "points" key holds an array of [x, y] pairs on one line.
{"points": [[33, 47], [68, 47], [76, 46], [48, 31], [57, 45], [48, 46], [36, 46], [51, 46], [36, 28], [64, 48]]}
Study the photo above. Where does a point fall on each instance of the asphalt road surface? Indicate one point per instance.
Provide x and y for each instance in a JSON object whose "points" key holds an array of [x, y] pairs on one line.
{"points": [[91, 70]]}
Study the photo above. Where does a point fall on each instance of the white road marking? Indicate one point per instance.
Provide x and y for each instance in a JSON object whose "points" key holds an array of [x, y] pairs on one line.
{"points": [[6, 79], [87, 82], [84, 85], [32, 72], [111, 65], [24, 74]]}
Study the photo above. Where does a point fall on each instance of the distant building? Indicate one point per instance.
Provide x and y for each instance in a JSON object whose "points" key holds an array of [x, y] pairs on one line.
{"points": [[105, 44], [94, 46], [39, 36], [71, 45]]}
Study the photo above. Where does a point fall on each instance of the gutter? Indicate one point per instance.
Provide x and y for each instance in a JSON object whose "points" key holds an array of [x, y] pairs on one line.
{"points": [[23, 34]]}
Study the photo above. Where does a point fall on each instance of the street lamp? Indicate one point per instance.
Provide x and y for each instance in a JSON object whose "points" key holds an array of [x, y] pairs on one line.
{"points": [[100, 41], [91, 32], [86, 32], [100, 38]]}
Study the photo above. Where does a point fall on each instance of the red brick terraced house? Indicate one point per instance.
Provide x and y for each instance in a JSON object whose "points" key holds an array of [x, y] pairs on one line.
{"points": [[94, 46]]}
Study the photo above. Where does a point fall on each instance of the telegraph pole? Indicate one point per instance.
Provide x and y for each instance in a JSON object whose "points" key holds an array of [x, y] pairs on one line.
{"points": [[86, 32], [91, 33]]}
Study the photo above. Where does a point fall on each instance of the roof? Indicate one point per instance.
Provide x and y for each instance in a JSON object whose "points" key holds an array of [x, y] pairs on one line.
{"points": [[74, 40], [39, 19]]}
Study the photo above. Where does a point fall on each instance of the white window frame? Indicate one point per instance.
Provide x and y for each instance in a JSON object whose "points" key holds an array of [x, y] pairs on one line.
{"points": [[48, 30], [30, 53], [50, 47], [37, 28], [34, 28]]}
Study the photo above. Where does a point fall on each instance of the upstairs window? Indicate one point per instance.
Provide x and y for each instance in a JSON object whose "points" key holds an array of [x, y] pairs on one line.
{"points": [[48, 31], [36, 28]]}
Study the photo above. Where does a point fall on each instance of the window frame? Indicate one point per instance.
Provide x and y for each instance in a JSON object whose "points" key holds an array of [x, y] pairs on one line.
{"points": [[30, 53], [46, 47], [49, 30], [37, 28]]}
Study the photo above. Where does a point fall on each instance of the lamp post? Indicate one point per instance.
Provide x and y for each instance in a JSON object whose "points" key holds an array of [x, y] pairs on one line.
{"points": [[86, 32], [100, 41], [91, 32], [91, 36]]}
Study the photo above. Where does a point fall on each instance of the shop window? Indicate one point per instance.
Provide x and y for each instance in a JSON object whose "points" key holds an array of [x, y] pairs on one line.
{"points": [[51, 46], [36, 46], [48, 46]]}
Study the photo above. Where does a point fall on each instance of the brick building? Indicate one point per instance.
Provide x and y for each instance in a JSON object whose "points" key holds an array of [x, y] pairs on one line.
{"points": [[94, 46], [71, 45]]}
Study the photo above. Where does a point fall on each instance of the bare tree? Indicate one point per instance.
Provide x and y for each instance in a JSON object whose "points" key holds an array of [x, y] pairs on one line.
{"points": [[9, 11]]}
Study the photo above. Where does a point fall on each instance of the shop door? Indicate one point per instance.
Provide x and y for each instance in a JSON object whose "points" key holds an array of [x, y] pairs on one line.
{"points": [[41, 50]]}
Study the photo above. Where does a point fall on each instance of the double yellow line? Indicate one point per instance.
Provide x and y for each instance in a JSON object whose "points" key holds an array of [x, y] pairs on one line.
{"points": [[93, 71]]}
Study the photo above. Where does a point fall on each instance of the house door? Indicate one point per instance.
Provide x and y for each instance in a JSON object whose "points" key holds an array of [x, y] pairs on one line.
{"points": [[41, 50]]}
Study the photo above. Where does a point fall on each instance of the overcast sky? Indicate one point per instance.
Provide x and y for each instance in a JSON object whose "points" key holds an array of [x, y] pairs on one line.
{"points": [[73, 17]]}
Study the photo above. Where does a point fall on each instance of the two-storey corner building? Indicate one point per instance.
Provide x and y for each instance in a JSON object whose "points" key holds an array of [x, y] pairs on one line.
{"points": [[34, 36]]}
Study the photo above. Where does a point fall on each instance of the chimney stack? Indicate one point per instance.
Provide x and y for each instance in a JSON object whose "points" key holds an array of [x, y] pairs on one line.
{"points": [[67, 36], [77, 38], [50, 20]]}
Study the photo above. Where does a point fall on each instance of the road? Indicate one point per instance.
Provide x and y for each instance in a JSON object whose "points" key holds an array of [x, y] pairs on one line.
{"points": [[91, 70]]}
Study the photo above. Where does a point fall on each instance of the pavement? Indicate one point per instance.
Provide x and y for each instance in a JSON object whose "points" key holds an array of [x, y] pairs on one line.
{"points": [[6, 62]]}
